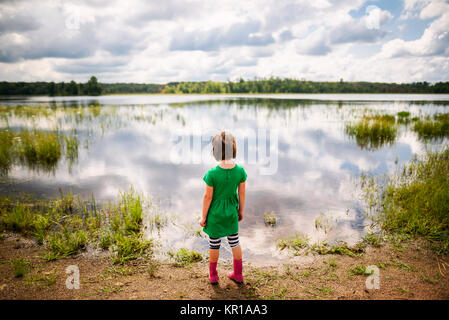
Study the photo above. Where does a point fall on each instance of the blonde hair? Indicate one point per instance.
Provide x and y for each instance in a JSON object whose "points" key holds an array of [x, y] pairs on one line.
{"points": [[224, 141]]}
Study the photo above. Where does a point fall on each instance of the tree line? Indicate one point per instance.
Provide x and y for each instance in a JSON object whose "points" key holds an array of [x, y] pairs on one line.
{"points": [[257, 85], [90, 88]]}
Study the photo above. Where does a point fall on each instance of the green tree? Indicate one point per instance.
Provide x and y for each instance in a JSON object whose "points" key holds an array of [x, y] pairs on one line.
{"points": [[52, 88], [93, 87], [72, 89]]}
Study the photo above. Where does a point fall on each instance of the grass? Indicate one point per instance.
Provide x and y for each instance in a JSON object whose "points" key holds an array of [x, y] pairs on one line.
{"points": [[71, 147], [432, 129], [403, 117], [18, 219], [340, 248], [428, 279], [332, 264], [300, 244], [6, 150], [372, 132], [65, 243], [20, 267], [185, 257], [152, 268], [41, 280], [120, 270], [66, 225], [36, 149], [415, 202], [130, 248], [372, 239], [402, 290], [293, 244], [270, 219], [357, 271]]}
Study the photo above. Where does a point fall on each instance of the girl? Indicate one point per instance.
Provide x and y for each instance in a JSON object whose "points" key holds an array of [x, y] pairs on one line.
{"points": [[222, 208]]}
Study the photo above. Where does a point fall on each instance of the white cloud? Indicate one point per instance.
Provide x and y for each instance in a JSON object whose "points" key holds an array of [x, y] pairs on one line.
{"points": [[162, 41], [433, 42]]}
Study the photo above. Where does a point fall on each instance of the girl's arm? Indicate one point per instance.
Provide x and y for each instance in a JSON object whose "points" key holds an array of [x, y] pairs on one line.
{"points": [[241, 200], [207, 199]]}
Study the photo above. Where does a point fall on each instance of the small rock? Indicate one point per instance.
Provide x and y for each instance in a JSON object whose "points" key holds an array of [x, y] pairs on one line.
{"points": [[118, 284], [3, 286]]}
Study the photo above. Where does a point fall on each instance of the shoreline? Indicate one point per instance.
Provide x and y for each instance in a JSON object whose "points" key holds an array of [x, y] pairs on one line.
{"points": [[407, 270]]}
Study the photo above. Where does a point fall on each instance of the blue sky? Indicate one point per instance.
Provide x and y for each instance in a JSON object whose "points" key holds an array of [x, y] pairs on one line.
{"points": [[174, 40]]}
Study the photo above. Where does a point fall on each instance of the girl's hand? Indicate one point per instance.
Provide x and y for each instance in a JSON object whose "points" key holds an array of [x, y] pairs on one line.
{"points": [[203, 222], [240, 216]]}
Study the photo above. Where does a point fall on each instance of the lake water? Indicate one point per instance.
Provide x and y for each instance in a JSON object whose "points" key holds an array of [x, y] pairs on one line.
{"points": [[300, 163]]}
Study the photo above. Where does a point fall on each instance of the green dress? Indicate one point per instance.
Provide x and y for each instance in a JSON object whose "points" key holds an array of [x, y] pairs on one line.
{"points": [[222, 218]]}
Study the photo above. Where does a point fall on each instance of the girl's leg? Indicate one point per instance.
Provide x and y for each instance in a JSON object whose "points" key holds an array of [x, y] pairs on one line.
{"points": [[214, 254], [234, 243], [237, 253]]}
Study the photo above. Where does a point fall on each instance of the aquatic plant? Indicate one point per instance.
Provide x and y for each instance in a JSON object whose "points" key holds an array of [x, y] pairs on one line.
{"points": [[270, 218], [36, 149], [6, 150], [403, 117], [373, 132], [39, 148], [296, 243], [338, 248], [71, 147], [437, 128]]}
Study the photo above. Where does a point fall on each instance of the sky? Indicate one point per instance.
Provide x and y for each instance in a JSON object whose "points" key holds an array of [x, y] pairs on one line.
{"points": [[147, 41]]}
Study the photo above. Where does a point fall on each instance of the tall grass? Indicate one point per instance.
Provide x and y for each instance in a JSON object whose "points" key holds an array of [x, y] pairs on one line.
{"points": [[6, 149], [403, 117], [37, 149], [437, 128], [415, 202], [71, 146], [372, 132]]}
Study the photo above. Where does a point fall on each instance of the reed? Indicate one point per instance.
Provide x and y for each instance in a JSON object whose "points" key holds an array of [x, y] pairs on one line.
{"points": [[372, 132], [433, 129]]}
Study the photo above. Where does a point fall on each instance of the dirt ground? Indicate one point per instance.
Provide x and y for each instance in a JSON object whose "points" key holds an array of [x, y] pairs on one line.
{"points": [[406, 271]]}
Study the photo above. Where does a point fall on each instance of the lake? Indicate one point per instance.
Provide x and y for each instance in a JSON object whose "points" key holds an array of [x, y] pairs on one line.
{"points": [[301, 163]]}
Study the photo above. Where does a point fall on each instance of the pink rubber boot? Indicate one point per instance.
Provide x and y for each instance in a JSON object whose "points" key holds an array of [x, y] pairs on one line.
{"points": [[213, 275], [236, 275]]}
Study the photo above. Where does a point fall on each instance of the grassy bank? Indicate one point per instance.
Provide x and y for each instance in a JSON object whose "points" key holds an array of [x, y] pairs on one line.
{"points": [[67, 225], [415, 201]]}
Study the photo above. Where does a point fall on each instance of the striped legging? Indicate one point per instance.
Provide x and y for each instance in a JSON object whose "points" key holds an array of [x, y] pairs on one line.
{"points": [[233, 240]]}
